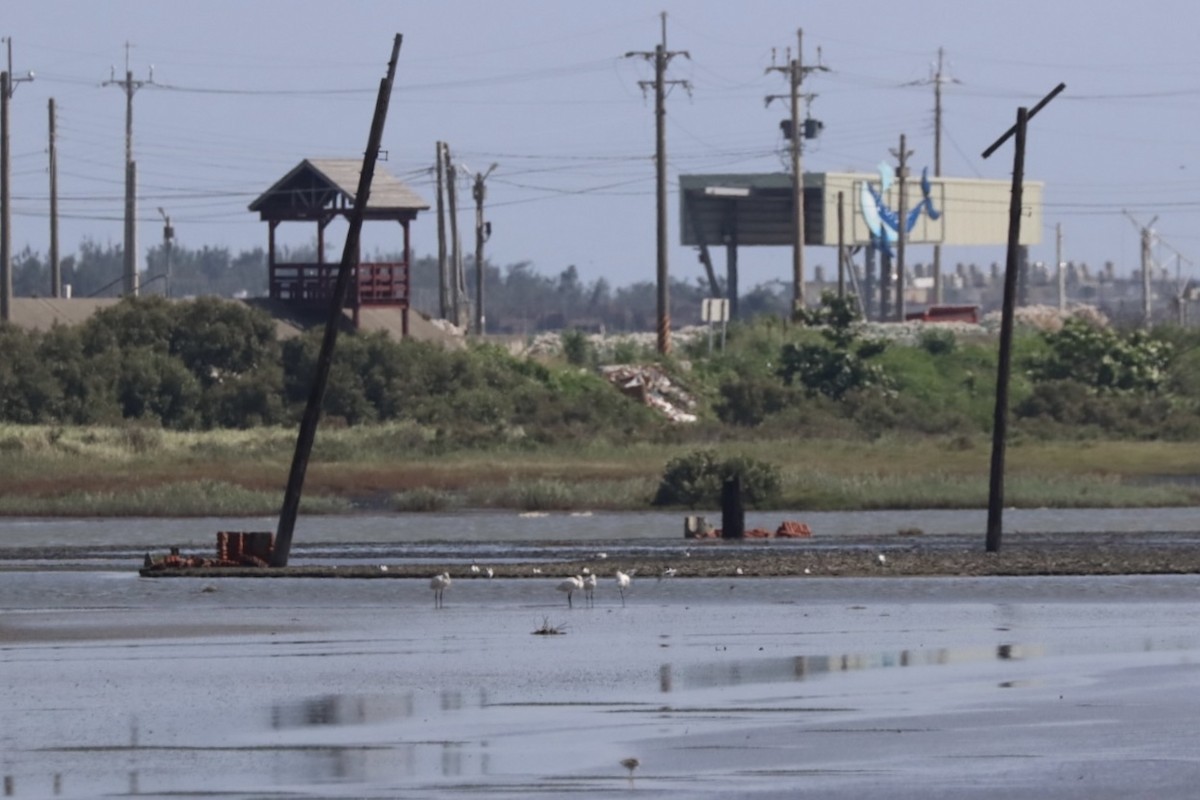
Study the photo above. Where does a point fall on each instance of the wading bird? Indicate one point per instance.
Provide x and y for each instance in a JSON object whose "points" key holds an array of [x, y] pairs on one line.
{"points": [[439, 584], [623, 581], [570, 586], [589, 588]]}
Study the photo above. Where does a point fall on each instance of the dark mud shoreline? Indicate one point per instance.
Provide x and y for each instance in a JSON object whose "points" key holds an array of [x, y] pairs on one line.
{"points": [[1165, 553]]}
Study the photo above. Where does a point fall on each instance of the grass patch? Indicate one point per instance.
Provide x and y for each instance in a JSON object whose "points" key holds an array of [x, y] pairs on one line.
{"points": [[540, 494], [146, 471], [191, 499], [423, 499]]}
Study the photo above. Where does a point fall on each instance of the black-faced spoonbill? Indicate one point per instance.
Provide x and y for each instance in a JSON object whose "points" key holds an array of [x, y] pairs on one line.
{"points": [[570, 585], [623, 581], [439, 583], [589, 588]]}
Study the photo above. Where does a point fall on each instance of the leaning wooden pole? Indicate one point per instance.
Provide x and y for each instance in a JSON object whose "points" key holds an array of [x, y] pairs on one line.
{"points": [[312, 411], [1000, 417], [1004, 369]]}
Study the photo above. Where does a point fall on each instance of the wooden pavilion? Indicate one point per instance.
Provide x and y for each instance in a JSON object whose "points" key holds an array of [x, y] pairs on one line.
{"points": [[319, 191]]}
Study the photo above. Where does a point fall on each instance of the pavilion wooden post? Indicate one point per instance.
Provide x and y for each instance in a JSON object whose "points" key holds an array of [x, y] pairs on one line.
{"points": [[312, 411], [1004, 367]]}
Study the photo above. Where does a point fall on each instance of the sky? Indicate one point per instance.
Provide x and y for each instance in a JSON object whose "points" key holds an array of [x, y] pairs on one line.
{"points": [[236, 93]]}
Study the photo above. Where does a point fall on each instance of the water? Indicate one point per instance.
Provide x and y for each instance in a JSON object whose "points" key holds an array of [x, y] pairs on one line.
{"points": [[839, 687], [630, 527]]}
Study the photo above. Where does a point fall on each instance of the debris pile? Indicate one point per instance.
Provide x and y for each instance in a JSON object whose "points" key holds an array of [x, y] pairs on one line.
{"points": [[793, 530], [786, 530], [651, 386], [234, 549]]}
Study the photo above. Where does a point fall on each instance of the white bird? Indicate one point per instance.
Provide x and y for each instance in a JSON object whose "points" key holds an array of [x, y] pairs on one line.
{"points": [[601, 556], [623, 581], [474, 570], [439, 583], [669, 572], [490, 572], [537, 570], [882, 559], [570, 586], [589, 588]]}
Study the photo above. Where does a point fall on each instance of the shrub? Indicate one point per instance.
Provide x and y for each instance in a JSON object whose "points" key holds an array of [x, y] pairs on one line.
{"points": [[696, 478]]}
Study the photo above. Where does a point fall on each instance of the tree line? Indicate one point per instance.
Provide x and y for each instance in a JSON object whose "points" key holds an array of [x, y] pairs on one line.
{"points": [[518, 299], [214, 363]]}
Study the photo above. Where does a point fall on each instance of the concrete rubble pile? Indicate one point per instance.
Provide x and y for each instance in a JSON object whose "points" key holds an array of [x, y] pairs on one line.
{"points": [[651, 386]]}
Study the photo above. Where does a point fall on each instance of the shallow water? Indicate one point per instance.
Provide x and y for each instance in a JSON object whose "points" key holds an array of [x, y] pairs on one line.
{"points": [[506, 526], [991, 687]]}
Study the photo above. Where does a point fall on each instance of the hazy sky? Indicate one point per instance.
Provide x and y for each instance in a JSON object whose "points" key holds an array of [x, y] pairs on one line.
{"points": [[243, 90]]}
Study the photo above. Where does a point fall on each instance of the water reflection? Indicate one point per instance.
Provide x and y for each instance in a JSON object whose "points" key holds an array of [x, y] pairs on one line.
{"points": [[402, 759], [797, 668], [341, 710]]}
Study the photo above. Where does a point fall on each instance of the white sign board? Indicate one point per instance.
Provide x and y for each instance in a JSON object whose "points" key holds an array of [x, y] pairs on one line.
{"points": [[714, 309]]}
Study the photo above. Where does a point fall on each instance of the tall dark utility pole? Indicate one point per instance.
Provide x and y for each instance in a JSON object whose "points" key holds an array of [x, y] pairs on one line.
{"points": [[6, 282], [483, 230], [796, 71], [662, 57], [130, 87], [1004, 368], [457, 290], [312, 411], [443, 268], [55, 266], [8, 85]]}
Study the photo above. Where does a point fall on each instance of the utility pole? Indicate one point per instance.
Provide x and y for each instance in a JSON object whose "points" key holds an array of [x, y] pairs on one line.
{"points": [[1147, 265], [6, 282], [483, 231], [938, 79], [130, 87], [168, 235], [55, 267], [8, 85], [662, 57], [341, 288], [902, 224], [1147, 236], [1004, 360], [455, 255], [796, 71], [443, 270], [1062, 269], [841, 245]]}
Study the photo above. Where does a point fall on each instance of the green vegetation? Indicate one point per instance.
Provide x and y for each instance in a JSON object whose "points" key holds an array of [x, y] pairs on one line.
{"points": [[168, 408], [697, 478]]}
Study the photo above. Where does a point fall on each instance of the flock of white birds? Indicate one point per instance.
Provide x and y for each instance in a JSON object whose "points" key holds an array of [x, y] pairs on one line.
{"points": [[585, 582]]}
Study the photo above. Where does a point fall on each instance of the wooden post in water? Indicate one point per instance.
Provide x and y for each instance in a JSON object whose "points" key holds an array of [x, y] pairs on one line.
{"points": [[312, 411], [733, 513]]}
